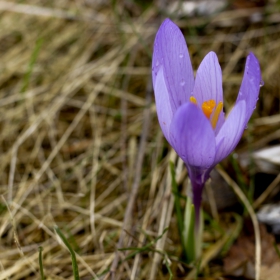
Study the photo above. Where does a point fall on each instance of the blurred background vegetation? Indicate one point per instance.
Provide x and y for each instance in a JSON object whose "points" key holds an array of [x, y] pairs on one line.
{"points": [[81, 147]]}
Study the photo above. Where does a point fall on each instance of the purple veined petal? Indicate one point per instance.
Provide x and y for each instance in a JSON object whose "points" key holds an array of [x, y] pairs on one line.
{"points": [[220, 122], [231, 132], [250, 87], [171, 53], [192, 136], [163, 106], [208, 81]]}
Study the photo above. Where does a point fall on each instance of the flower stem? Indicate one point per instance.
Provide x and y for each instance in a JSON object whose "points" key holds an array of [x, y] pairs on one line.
{"points": [[197, 194]]}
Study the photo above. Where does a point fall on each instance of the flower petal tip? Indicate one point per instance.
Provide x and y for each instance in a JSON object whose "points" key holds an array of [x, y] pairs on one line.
{"points": [[251, 83], [208, 82], [171, 53]]}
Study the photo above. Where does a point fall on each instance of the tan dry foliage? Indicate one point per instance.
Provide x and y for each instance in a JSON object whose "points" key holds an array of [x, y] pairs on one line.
{"points": [[70, 142]]}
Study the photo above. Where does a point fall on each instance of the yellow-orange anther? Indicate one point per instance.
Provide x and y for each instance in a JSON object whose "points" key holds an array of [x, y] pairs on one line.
{"points": [[193, 100], [207, 107], [216, 114]]}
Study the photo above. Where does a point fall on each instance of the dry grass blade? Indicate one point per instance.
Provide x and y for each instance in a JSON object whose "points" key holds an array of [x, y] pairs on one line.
{"points": [[165, 217], [267, 192], [253, 217], [45, 12], [129, 209]]}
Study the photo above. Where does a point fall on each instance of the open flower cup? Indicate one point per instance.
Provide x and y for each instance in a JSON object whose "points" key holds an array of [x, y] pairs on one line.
{"points": [[190, 110]]}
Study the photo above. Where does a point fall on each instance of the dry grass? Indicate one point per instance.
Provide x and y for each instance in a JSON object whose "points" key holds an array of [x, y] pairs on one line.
{"points": [[80, 140]]}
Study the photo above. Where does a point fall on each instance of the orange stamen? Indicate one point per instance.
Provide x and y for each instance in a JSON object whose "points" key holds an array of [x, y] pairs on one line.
{"points": [[207, 107], [216, 114], [193, 100]]}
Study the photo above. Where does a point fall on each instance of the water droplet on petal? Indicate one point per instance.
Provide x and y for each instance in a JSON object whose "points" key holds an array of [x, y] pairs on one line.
{"points": [[157, 63], [182, 83], [261, 83], [181, 55]]}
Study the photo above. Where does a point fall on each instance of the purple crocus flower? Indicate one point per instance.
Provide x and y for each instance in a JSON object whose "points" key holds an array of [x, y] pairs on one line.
{"points": [[190, 111]]}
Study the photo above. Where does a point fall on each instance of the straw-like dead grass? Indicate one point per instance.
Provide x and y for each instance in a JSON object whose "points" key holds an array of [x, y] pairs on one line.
{"points": [[80, 140]]}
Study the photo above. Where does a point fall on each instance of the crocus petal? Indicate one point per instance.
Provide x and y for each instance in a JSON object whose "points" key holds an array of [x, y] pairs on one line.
{"points": [[250, 87], [220, 123], [163, 106], [192, 136], [171, 53], [231, 132], [208, 80]]}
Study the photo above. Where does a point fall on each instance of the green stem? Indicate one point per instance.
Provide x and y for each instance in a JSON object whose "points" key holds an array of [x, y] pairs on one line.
{"points": [[72, 252], [41, 263], [32, 62], [189, 236]]}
